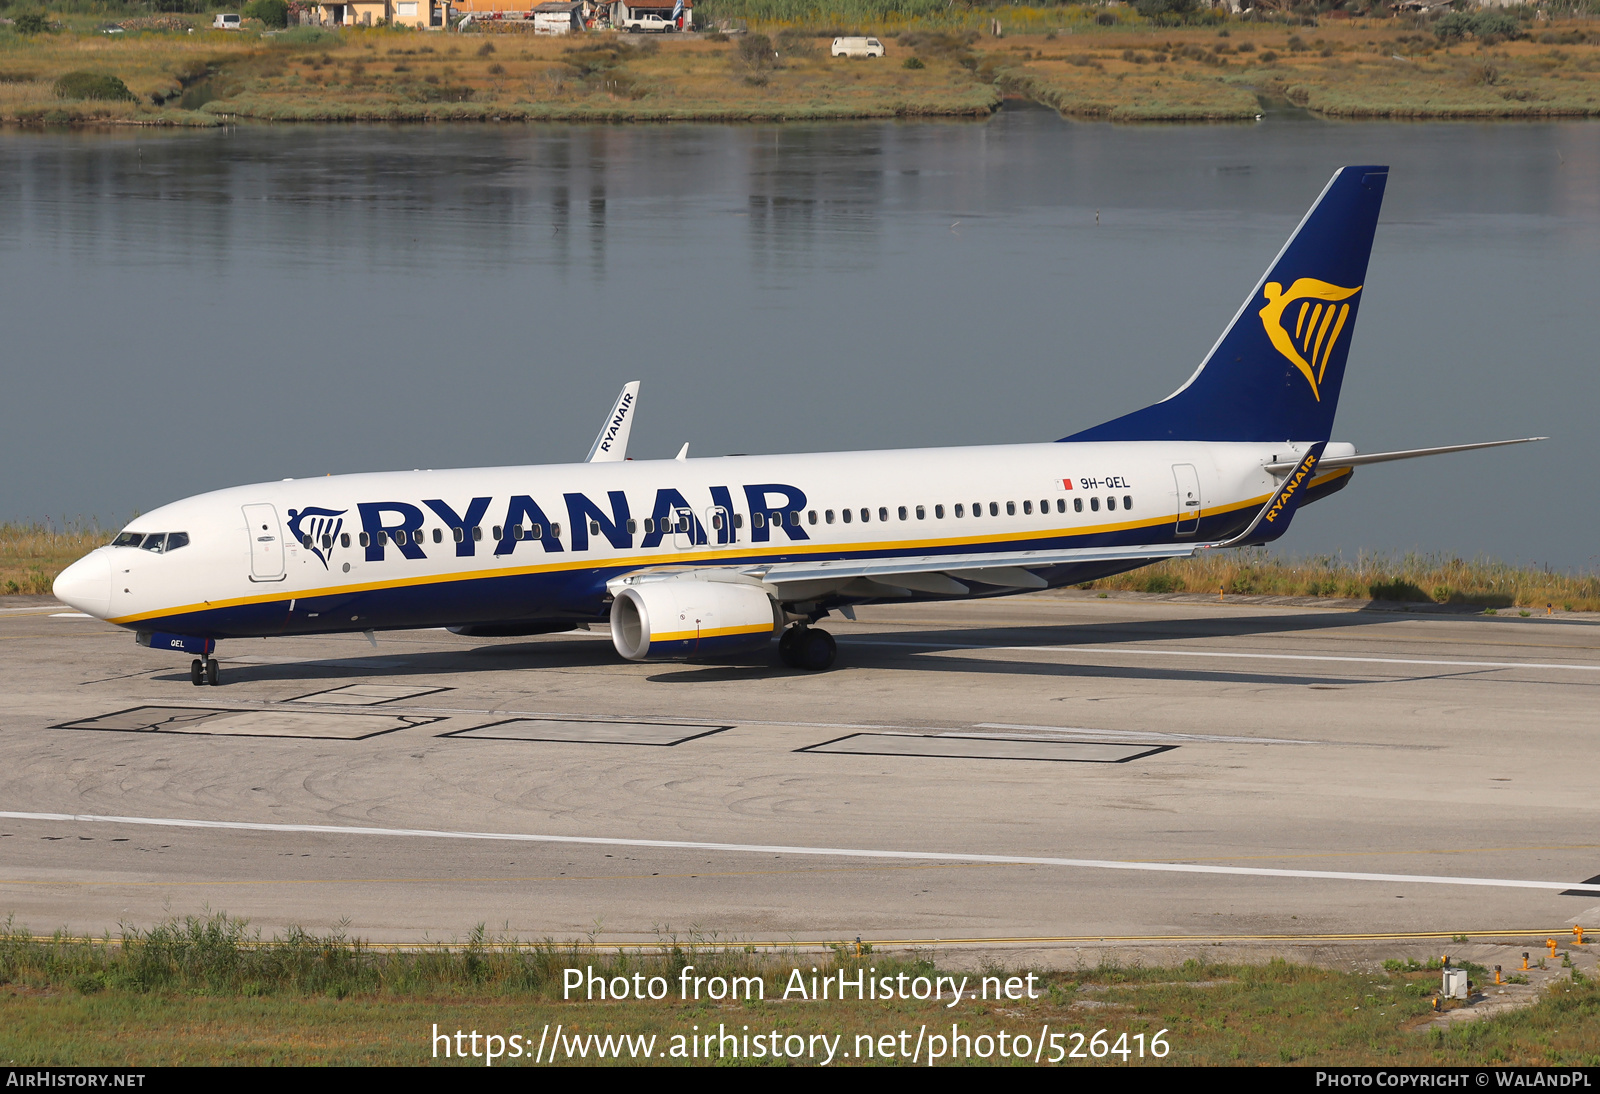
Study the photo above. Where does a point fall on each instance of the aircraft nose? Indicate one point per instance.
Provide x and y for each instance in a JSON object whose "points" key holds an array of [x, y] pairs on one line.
{"points": [[86, 585]]}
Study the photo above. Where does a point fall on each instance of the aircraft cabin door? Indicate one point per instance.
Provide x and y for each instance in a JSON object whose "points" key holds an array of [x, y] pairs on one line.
{"points": [[719, 525], [1188, 498], [266, 543], [683, 529]]}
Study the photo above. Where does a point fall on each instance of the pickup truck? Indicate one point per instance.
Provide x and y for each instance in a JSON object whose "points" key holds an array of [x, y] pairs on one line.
{"points": [[648, 24]]}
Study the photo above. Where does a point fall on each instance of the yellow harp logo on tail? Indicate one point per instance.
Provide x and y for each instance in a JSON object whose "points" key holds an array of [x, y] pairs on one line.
{"points": [[1317, 324]]}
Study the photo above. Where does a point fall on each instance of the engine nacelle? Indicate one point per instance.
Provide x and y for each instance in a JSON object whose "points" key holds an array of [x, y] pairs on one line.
{"points": [[688, 617]]}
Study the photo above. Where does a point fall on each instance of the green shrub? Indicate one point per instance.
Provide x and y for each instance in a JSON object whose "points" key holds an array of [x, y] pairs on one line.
{"points": [[912, 62], [30, 22], [274, 13], [92, 85]]}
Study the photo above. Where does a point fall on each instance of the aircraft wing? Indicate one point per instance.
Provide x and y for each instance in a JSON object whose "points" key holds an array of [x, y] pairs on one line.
{"points": [[900, 576]]}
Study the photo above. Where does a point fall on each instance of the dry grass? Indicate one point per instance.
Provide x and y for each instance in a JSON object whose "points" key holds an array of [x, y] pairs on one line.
{"points": [[31, 555], [1347, 68], [1484, 583], [1129, 71]]}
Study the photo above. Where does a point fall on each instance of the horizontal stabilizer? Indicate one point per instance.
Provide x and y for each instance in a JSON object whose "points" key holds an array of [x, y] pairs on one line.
{"points": [[1334, 463]]}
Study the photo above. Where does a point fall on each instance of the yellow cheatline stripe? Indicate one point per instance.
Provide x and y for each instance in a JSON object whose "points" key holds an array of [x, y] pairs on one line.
{"points": [[701, 557], [511, 945], [711, 632]]}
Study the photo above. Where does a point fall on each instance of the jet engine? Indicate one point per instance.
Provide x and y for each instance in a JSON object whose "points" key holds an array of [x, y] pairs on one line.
{"points": [[690, 617]]}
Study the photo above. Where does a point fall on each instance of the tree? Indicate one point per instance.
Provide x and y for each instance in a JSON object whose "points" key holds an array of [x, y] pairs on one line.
{"points": [[274, 13]]}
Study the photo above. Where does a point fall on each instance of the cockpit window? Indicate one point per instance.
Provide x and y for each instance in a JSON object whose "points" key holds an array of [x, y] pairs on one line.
{"points": [[158, 542]]}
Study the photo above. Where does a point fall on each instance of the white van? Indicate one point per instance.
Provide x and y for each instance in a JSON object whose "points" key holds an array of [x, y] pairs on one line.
{"points": [[857, 47], [225, 22]]}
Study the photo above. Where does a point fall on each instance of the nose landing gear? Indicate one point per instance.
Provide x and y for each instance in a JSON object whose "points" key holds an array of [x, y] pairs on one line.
{"points": [[203, 672], [803, 647]]}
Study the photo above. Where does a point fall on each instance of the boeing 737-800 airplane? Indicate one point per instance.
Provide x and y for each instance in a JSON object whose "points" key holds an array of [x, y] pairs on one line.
{"points": [[705, 557]]}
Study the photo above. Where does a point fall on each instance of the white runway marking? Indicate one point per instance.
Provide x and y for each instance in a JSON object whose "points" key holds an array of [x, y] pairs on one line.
{"points": [[1131, 651], [829, 852], [70, 615]]}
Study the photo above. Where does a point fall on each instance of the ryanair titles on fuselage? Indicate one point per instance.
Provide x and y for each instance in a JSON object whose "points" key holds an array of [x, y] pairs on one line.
{"points": [[521, 518]]}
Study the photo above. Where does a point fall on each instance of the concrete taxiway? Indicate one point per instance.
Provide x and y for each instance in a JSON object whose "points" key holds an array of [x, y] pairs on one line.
{"points": [[1047, 766]]}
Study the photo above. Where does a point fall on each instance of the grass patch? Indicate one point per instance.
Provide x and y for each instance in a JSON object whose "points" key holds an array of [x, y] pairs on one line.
{"points": [[1412, 578], [31, 555], [209, 990]]}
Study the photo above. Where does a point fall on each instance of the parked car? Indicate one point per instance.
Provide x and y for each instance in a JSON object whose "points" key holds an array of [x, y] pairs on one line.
{"points": [[226, 22], [649, 24], [857, 47]]}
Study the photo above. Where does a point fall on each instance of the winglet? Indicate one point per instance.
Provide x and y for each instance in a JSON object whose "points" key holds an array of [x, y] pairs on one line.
{"points": [[611, 446]]}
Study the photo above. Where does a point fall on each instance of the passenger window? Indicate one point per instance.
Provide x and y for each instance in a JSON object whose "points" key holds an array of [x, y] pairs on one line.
{"points": [[828, 516], [1127, 503], [866, 515], [847, 514], [794, 519], [438, 535], [633, 526], [738, 520], [977, 509], [477, 533], [883, 512], [459, 534], [961, 510], [938, 512], [383, 538], [516, 532], [594, 528], [555, 530], [364, 540], [994, 509], [327, 543], [1077, 505], [344, 539], [649, 524], [922, 514], [811, 517], [1111, 503], [305, 541], [176, 540], [497, 534], [757, 519], [901, 512], [1027, 507], [536, 531], [1094, 503], [1011, 508], [1061, 505]]}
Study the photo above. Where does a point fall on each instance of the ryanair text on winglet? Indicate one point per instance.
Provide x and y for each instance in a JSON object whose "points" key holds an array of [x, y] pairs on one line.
{"points": [[1291, 487]]}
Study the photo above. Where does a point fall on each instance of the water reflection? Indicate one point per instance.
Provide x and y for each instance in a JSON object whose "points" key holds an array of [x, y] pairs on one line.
{"points": [[292, 300]]}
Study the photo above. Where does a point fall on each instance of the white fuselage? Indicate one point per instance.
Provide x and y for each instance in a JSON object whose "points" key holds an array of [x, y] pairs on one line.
{"points": [[541, 541]]}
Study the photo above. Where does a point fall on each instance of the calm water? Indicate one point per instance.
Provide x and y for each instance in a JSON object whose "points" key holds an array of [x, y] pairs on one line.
{"points": [[193, 310]]}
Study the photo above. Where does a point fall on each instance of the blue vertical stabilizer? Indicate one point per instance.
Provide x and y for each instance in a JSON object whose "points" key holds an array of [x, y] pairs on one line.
{"points": [[1276, 372]]}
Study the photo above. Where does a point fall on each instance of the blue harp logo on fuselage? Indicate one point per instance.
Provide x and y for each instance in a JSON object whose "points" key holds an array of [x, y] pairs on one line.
{"points": [[1312, 330], [317, 529]]}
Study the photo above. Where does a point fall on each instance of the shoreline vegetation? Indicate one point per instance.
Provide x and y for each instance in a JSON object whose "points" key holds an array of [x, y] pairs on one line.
{"points": [[1086, 61], [31, 555], [210, 990]]}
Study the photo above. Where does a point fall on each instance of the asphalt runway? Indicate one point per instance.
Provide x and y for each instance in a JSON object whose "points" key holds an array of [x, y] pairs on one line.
{"points": [[1044, 766]]}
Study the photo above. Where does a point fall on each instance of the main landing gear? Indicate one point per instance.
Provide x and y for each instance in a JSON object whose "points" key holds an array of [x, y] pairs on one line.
{"points": [[803, 647], [203, 672]]}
